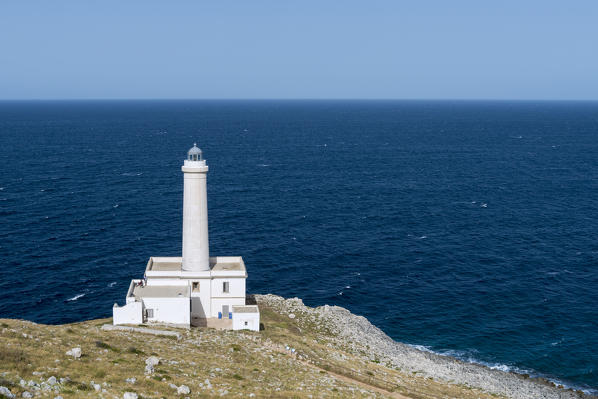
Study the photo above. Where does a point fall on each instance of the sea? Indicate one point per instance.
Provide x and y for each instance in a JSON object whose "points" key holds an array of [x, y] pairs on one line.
{"points": [[467, 228]]}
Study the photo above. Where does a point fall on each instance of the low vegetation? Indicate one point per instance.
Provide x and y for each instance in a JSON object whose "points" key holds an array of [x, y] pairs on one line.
{"points": [[290, 357]]}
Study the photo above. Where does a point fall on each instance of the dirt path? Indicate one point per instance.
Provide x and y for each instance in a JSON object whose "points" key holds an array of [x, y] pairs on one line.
{"points": [[362, 384], [347, 379]]}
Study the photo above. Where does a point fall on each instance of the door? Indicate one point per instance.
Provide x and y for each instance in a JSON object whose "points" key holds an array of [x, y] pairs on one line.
{"points": [[225, 311]]}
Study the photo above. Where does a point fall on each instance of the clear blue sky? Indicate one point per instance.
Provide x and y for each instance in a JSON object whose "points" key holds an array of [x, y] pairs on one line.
{"points": [[419, 49]]}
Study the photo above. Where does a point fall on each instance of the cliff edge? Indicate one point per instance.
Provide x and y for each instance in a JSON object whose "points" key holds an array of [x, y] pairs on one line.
{"points": [[301, 352]]}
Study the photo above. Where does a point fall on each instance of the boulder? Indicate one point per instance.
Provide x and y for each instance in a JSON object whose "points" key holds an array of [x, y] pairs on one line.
{"points": [[183, 390], [75, 352], [130, 395], [6, 392], [152, 361]]}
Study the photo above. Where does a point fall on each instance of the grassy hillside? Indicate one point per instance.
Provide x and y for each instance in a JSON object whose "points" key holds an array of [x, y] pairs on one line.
{"points": [[208, 362]]}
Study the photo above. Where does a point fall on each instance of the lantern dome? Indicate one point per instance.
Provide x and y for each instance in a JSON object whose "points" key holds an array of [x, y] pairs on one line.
{"points": [[195, 154]]}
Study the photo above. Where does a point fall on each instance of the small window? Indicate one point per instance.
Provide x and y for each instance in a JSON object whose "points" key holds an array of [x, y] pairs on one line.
{"points": [[225, 287], [195, 286], [149, 313], [245, 323]]}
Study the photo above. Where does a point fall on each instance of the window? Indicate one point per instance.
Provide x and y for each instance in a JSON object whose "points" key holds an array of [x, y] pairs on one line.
{"points": [[225, 287], [195, 286], [149, 313], [245, 323]]}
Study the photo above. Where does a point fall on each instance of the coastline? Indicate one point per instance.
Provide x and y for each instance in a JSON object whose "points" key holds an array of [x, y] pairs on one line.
{"points": [[324, 351], [364, 338]]}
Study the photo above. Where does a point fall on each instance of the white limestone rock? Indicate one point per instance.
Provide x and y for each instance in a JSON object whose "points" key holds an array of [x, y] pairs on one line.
{"points": [[27, 395], [6, 392], [52, 380], [75, 352], [152, 361], [183, 390], [130, 395]]}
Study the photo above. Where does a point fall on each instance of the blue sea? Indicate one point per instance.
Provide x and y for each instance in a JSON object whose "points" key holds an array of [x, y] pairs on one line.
{"points": [[467, 228]]}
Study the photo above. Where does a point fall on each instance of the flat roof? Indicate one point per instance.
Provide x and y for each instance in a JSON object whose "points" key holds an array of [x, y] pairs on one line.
{"points": [[160, 291], [245, 309], [217, 263]]}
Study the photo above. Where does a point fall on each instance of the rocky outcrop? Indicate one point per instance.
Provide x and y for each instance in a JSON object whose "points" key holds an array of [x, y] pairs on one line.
{"points": [[361, 337]]}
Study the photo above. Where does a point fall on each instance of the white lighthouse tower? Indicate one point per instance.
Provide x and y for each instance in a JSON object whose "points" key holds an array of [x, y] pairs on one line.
{"points": [[193, 289], [196, 250]]}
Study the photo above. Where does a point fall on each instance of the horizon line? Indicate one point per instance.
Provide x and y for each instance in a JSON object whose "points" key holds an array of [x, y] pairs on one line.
{"points": [[295, 99]]}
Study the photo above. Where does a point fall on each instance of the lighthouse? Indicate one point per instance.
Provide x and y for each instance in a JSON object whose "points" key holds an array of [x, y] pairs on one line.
{"points": [[196, 249], [193, 289]]}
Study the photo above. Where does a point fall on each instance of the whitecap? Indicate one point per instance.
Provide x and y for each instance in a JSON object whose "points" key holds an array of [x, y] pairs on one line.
{"points": [[484, 205], [76, 297], [347, 287], [1, 188], [112, 284], [115, 206], [422, 348], [130, 174], [263, 165], [501, 367]]}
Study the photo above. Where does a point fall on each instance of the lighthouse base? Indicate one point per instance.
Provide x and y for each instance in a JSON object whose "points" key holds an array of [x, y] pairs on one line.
{"points": [[168, 294]]}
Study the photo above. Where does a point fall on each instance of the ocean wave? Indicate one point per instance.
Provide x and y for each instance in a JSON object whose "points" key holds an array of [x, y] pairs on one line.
{"points": [[76, 297], [465, 356]]}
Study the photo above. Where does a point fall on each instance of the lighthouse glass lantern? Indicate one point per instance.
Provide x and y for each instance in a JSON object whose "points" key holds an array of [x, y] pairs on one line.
{"points": [[194, 154]]}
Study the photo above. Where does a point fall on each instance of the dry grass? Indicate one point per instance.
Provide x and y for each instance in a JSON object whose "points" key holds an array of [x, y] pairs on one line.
{"points": [[239, 363]]}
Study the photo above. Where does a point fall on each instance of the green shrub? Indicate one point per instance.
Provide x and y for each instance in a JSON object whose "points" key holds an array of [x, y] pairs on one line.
{"points": [[104, 345]]}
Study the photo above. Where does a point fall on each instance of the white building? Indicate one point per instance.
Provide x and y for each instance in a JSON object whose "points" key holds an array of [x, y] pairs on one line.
{"points": [[195, 289]]}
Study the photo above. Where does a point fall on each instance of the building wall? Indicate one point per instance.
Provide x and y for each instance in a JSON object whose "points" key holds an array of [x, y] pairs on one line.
{"points": [[131, 313], [210, 298], [166, 281], [234, 296], [246, 321], [169, 310], [201, 301], [236, 287], [217, 304]]}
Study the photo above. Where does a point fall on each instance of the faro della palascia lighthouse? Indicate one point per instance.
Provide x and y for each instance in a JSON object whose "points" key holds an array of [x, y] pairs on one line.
{"points": [[195, 289]]}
